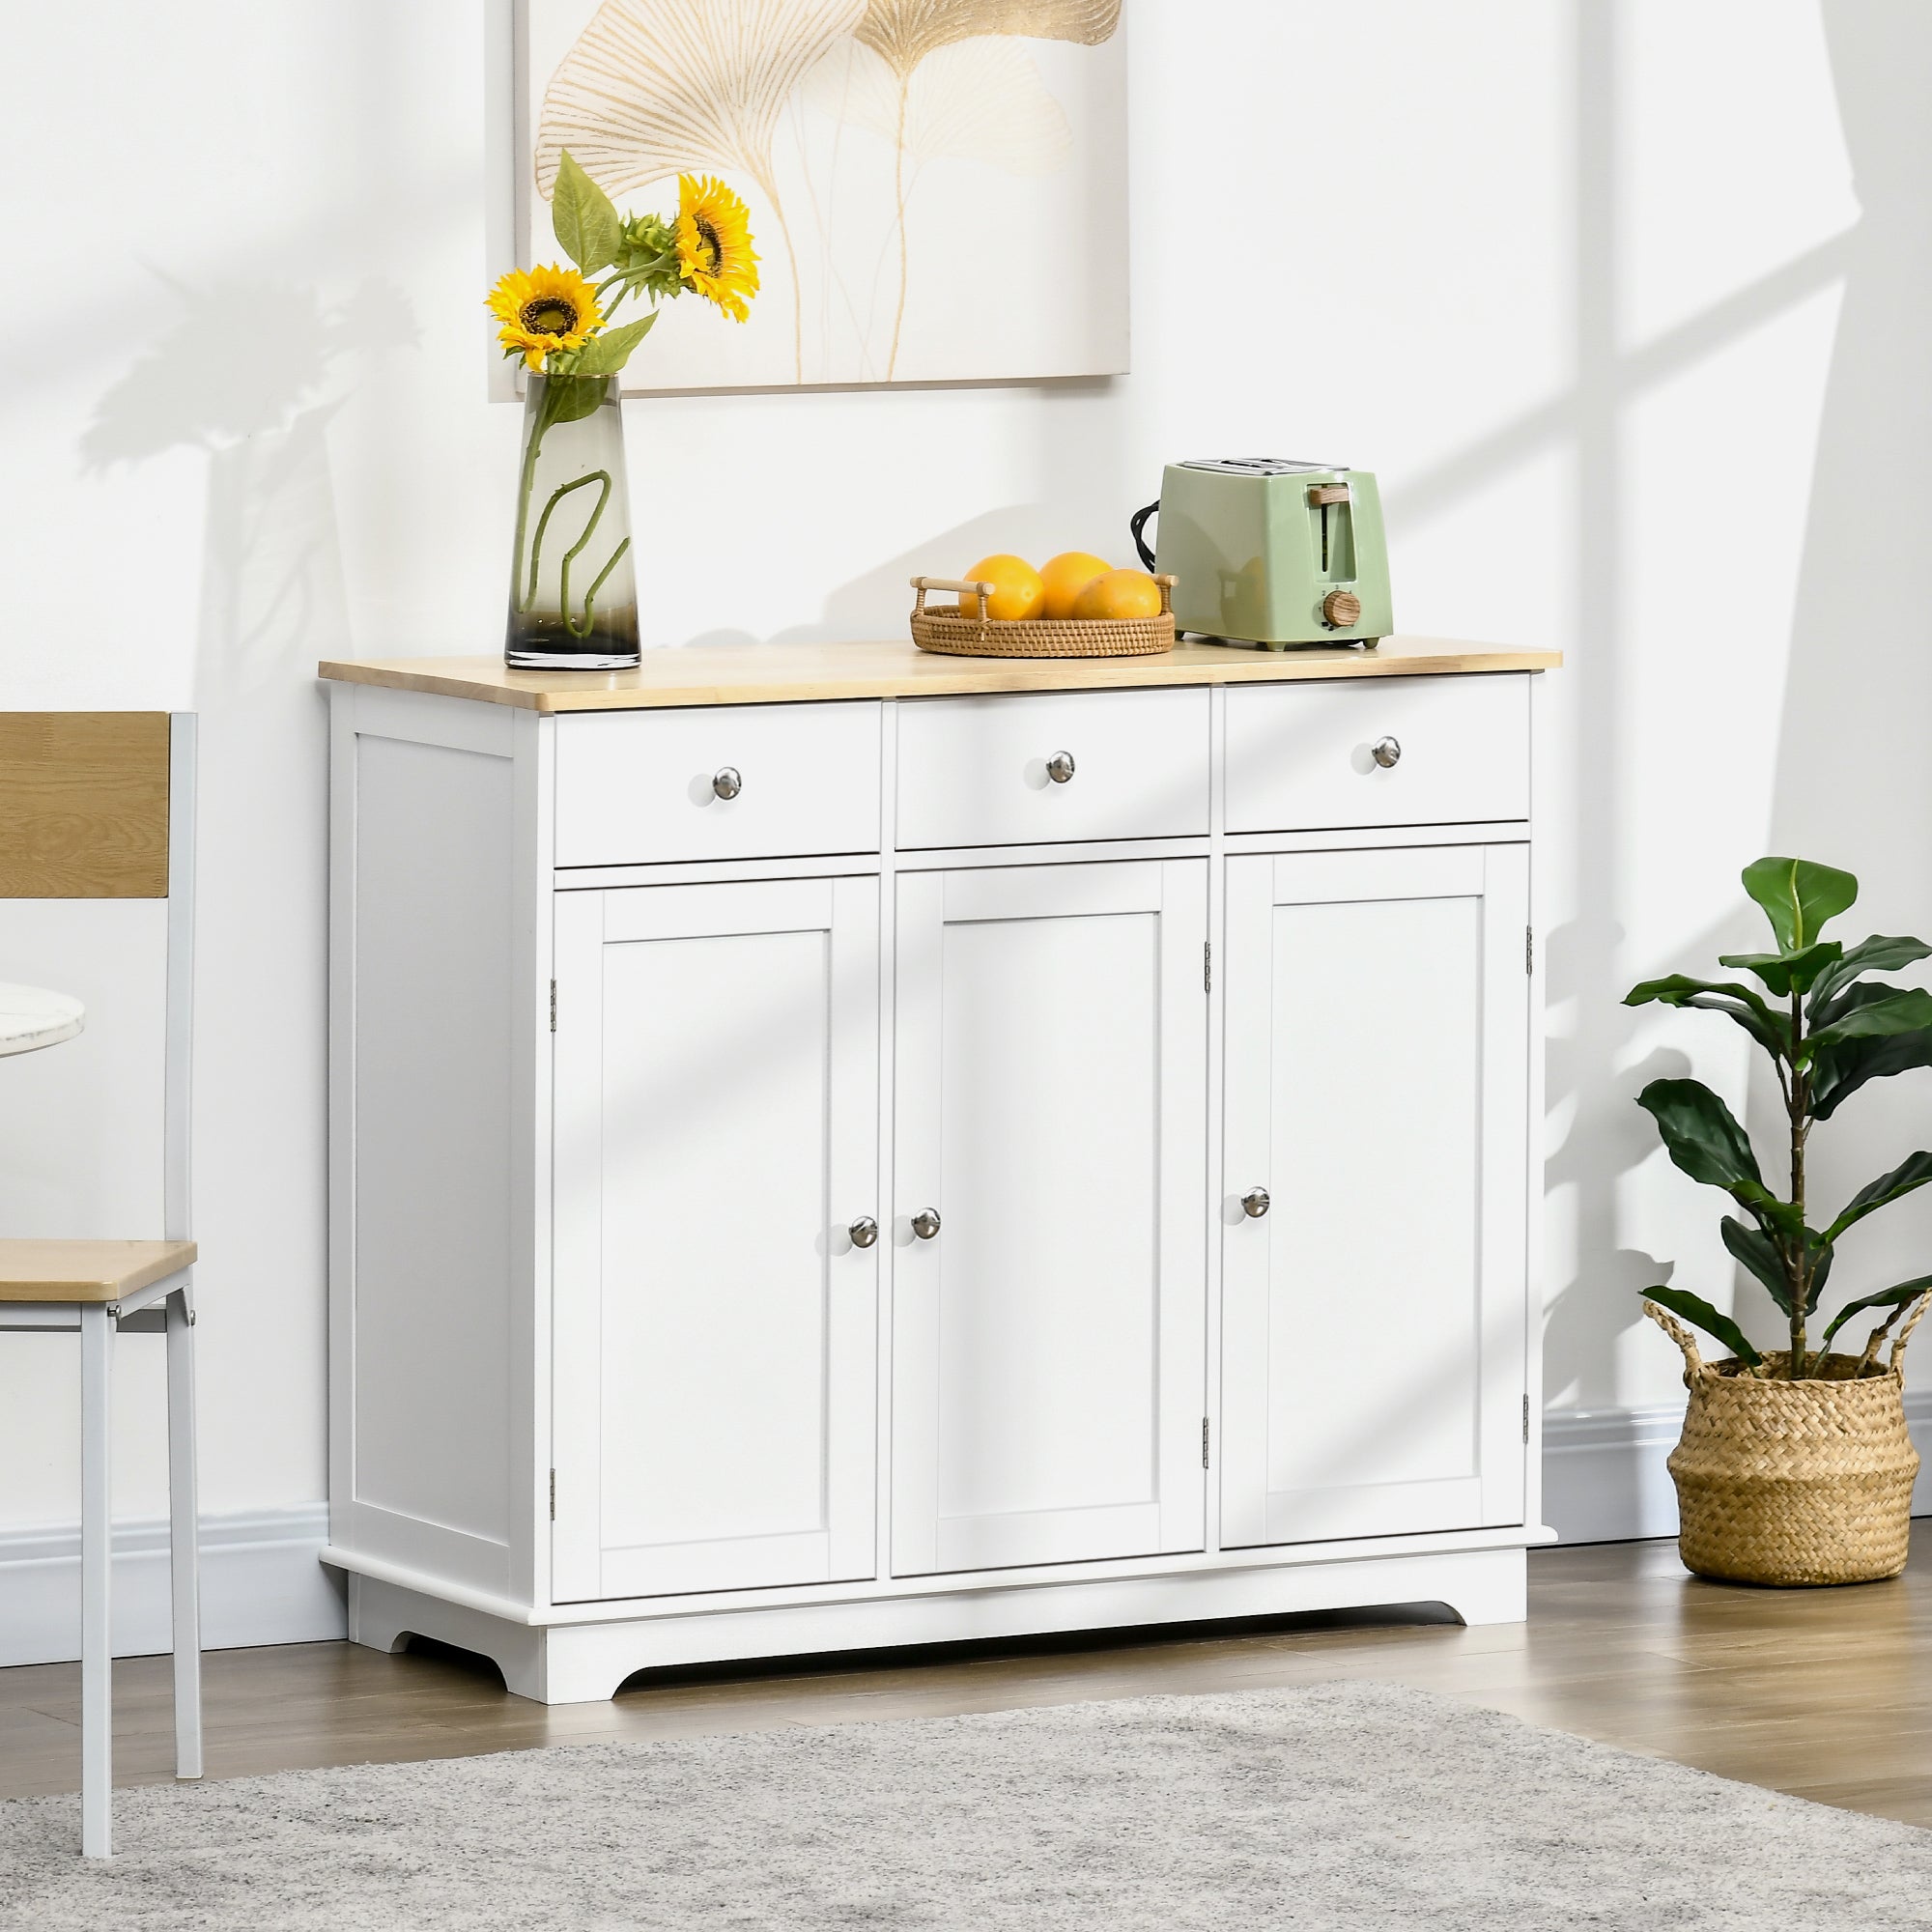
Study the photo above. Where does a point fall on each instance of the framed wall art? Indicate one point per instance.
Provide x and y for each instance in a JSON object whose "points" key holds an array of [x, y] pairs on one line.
{"points": [[937, 188]]}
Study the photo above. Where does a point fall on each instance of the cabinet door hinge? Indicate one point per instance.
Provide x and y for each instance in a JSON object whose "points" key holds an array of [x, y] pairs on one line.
{"points": [[1529, 949], [553, 1006], [1525, 1419], [1203, 1441], [1206, 965], [552, 1496]]}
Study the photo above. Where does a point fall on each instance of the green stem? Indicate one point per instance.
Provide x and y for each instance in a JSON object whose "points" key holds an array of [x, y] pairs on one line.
{"points": [[526, 484], [590, 595], [570, 556]]}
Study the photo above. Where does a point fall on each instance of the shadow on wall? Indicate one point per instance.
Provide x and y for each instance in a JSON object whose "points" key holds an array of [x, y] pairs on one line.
{"points": [[1854, 782], [1850, 786], [1605, 1135], [244, 376]]}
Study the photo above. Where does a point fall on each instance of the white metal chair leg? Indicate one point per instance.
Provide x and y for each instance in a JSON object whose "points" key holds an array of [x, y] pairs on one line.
{"points": [[97, 1538], [184, 1554]]}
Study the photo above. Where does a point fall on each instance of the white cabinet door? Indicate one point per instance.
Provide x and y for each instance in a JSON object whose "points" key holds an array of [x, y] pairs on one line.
{"points": [[1373, 1318], [1048, 1339], [715, 1328]]}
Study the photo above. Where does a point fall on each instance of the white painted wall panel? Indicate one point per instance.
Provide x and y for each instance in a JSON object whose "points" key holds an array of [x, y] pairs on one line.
{"points": [[433, 1187]]}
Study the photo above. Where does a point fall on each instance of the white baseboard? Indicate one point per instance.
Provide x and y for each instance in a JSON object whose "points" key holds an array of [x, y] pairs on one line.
{"points": [[1603, 1481], [261, 1582], [1604, 1474]]}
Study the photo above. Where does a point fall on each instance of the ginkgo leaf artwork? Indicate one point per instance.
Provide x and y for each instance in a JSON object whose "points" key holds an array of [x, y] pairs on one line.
{"points": [[939, 184]]}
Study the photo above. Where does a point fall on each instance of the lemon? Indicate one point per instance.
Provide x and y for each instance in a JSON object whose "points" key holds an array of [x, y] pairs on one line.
{"points": [[1120, 593], [1066, 575], [1017, 591]]}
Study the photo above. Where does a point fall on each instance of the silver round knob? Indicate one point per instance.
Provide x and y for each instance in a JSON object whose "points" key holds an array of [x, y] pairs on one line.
{"points": [[1255, 1203], [925, 1224], [1386, 752], [865, 1230], [728, 783], [1060, 767]]}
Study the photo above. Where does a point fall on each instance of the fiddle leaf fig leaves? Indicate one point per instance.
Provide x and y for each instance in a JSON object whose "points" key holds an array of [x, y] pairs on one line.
{"points": [[1799, 897], [1839, 1070], [1772, 1031], [1913, 1172], [1787, 972], [1876, 954], [1753, 1247], [1901, 1296], [1764, 1253], [1696, 1309], [1892, 1013], [1703, 1137]]}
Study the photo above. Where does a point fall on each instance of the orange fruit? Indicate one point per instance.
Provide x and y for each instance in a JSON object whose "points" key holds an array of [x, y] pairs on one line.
{"points": [[1066, 575], [1120, 593], [1017, 591]]}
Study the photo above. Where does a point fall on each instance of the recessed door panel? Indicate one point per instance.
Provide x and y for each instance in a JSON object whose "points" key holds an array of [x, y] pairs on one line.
{"points": [[1378, 1018], [1050, 1030], [717, 1108]]}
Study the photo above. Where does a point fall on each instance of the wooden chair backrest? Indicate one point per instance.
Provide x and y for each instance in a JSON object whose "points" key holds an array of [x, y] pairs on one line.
{"points": [[83, 805]]}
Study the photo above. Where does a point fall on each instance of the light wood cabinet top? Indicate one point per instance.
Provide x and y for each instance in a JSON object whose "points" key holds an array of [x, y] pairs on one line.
{"points": [[807, 672]]}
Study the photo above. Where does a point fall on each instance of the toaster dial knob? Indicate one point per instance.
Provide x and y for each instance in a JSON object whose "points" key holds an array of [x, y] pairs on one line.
{"points": [[1341, 608]]}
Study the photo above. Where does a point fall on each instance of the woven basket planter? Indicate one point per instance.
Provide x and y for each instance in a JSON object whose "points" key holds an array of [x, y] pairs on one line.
{"points": [[947, 633], [1793, 1482]]}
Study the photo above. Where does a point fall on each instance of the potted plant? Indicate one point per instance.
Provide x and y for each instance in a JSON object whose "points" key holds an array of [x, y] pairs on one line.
{"points": [[1795, 1465]]}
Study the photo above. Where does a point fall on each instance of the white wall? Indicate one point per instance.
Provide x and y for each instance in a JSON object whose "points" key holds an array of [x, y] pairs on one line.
{"points": [[1594, 289]]}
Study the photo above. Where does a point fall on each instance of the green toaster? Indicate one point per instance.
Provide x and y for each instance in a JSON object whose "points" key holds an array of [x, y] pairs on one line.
{"points": [[1266, 551]]}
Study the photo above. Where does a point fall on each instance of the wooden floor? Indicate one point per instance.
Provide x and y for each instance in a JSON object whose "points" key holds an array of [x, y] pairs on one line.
{"points": [[1827, 1693]]}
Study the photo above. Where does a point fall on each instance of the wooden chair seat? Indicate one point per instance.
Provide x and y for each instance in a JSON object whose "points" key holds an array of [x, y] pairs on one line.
{"points": [[86, 1270]]}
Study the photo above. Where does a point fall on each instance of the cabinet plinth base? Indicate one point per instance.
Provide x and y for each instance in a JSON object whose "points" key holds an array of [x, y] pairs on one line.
{"points": [[585, 1662]]}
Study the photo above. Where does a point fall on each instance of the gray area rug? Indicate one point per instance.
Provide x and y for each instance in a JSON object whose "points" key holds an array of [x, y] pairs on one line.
{"points": [[1344, 1805]]}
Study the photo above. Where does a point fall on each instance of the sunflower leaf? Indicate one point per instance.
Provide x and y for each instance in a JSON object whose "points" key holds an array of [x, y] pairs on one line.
{"points": [[606, 352], [586, 223], [566, 400]]}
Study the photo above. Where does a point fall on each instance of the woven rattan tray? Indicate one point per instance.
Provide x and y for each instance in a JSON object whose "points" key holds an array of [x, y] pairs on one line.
{"points": [[982, 636]]}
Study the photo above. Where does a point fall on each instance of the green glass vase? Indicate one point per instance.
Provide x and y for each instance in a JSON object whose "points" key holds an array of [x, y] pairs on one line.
{"points": [[573, 584]]}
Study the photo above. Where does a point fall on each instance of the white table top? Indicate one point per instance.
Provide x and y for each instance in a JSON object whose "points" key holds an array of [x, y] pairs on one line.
{"points": [[31, 1016]]}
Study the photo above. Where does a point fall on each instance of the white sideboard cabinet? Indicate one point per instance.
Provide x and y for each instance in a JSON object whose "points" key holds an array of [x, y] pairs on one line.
{"points": [[835, 1147]]}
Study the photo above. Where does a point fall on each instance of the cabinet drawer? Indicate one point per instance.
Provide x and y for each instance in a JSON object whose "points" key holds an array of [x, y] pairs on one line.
{"points": [[1303, 756], [642, 787], [974, 771]]}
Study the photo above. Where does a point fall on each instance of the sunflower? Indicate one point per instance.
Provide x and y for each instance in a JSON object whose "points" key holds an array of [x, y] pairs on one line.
{"points": [[714, 244], [542, 309]]}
